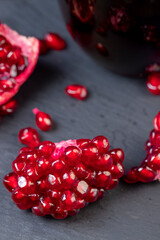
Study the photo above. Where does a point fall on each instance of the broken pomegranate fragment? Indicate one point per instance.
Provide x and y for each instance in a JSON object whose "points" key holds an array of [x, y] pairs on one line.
{"points": [[18, 57], [61, 178], [149, 169]]}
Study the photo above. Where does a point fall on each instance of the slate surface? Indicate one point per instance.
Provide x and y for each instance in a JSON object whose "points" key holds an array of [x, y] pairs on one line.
{"points": [[118, 107]]}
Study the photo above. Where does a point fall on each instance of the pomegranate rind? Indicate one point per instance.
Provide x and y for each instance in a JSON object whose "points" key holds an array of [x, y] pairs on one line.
{"points": [[30, 49]]}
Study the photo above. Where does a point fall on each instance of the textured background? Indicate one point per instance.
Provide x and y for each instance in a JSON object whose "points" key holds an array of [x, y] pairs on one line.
{"points": [[117, 107]]}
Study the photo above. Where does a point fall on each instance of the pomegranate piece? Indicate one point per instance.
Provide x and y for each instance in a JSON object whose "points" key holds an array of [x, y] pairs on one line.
{"points": [[61, 178], [8, 108], [149, 169], [83, 9], [55, 41], [79, 92], [153, 83], [43, 120], [18, 57], [29, 136]]}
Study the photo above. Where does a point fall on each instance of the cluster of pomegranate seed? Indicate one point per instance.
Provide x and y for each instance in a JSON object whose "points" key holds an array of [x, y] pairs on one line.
{"points": [[61, 178], [43, 120], [52, 41], [79, 92], [12, 64], [149, 33], [149, 169]]}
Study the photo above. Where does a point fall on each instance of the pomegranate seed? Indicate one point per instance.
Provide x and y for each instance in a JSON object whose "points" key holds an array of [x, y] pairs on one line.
{"points": [[90, 154], [156, 122], [29, 136], [72, 155], [8, 108], [102, 49], [154, 161], [61, 178], [43, 46], [82, 142], [153, 83], [77, 91], [146, 174], [10, 181], [102, 144], [132, 176], [43, 120], [104, 162], [55, 41], [46, 206]]}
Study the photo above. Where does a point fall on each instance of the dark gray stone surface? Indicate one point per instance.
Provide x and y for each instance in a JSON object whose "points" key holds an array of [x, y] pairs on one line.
{"points": [[118, 107]]}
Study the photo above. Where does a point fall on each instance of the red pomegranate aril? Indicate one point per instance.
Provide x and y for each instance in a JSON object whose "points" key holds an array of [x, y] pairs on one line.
{"points": [[43, 47], [91, 177], [112, 184], [72, 155], [154, 161], [102, 144], [26, 185], [19, 165], [82, 189], [146, 174], [25, 150], [10, 181], [4, 50], [131, 176], [60, 213], [92, 195], [69, 200], [156, 122], [148, 146], [29, 136], [117, 170], [153, 83], [54, 182], [46, 148], [90, 154], [43, 120], [14, 55], [68, 180], [102, 179], [36, 210], [77, 91], [82, 142], [81, 171], [117, 155], [42, 165], [46, 206], [119, 19], [31, 172], [7, 85], [3, 40], [19, 197], [61, 178], [102, 49], [54, 196], [4, 67], [8, 108], [57, 166], [55, 41], [104, 162], [42, 185]]}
